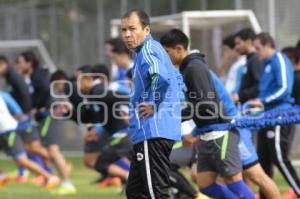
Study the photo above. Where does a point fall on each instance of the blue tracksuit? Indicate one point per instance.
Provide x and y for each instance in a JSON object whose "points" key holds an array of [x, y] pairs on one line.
{"points": [[228, 105], [155, 81], [11, 103], [276, 83]]}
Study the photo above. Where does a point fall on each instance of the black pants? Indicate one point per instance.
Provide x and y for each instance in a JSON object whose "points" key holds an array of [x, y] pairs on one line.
{"points": [[273, 146], [149, 170]]}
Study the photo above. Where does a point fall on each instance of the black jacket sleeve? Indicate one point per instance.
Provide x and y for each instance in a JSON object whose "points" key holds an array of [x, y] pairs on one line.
{"points": [[187, 113], [20, 90], [41, 84], [296, 88], [201, 92], [250, 81]]}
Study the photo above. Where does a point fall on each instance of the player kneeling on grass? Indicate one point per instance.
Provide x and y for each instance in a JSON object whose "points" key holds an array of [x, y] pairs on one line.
{"points": [[13, 146], [38, 79], [116, 145]]}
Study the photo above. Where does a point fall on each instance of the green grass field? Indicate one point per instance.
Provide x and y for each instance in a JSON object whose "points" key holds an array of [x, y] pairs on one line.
{"points": [[81, 177]]}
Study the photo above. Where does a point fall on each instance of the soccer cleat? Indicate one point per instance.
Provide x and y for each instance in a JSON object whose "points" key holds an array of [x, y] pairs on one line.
{"points": [[201, 196], [110, 182], [38, 180], [289, 194], [99, 179], [21, 179], [14, 176], [64, 190], [52, 182], [3, 180]]}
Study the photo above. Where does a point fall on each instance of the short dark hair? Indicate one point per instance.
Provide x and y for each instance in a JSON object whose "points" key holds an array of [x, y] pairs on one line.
{"points": [[142, 15], [245, 34], [85, 69], [118, 46], [229, 41], [292, 53], [58, 75], [29, 56], [174, 37], [3, 59], [102, 69], [298, 45], [266, 38]]}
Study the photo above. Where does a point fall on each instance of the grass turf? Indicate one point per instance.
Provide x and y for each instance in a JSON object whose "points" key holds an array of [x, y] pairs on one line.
{"points": [[81, 177]]}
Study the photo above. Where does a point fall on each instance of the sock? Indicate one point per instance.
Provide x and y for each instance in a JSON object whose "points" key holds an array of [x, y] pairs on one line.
{"points": [[178, 181], [241, 190], [123, 164], [48, 169], [218, 191], [21, 171], [37, 159]]}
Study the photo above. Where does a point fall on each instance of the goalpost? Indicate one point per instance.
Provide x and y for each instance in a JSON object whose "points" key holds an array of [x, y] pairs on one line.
{"points": [[12, 48], [188, 20]]}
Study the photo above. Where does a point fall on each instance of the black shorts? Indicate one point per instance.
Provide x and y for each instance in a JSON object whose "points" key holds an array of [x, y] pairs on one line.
{"points": [[12, 145], [29, 135], [220, 155], [50, 130], [149, 170], [182, 157], [117, 147]]}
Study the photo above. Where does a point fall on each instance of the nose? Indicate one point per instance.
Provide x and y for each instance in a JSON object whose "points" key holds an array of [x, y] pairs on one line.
{"points": [[127, 33]]}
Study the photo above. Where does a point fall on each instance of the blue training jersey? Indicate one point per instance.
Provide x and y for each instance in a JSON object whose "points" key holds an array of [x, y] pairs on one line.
{"points": [[276, 83], [155, 81], [228, 105]]}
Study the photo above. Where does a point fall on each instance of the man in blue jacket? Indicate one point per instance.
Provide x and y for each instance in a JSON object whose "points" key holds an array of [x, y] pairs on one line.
{"points": [[275, 89], [154, 120]]}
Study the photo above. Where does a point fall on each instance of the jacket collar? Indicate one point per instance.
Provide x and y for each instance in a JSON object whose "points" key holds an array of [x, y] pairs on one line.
{"points": [[148, 37], [190, 57]]}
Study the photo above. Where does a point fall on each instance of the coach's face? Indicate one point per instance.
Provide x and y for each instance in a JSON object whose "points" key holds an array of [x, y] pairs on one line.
{"points": [[133, 32]]}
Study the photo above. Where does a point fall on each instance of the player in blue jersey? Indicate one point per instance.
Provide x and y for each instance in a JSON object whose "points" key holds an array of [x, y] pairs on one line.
{"points": [[175, 42], [214, 155], [11, 142], [38, 82]]}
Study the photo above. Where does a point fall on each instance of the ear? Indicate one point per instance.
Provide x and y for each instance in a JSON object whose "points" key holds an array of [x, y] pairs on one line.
{"points": [[147, 28], [268, 45]]}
